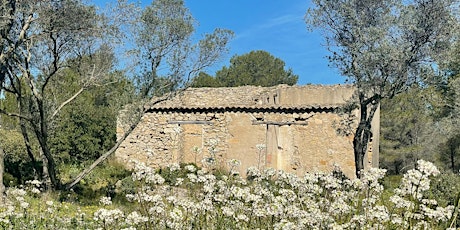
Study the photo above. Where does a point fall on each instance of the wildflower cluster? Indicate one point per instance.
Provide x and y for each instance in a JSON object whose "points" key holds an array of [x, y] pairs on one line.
{"points": [[187, 197], [26, 208], [273, 199]]}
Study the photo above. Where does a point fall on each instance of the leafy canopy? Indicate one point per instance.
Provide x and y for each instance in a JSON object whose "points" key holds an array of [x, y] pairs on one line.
{"points": [[254, 68], [383, 47]]}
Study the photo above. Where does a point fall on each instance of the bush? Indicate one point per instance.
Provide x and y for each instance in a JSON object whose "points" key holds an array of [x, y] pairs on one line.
{"points": [[445, 188], [101, 182]]}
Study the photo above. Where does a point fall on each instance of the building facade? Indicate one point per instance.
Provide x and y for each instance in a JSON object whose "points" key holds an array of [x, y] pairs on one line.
{"points": [[294, 128]]}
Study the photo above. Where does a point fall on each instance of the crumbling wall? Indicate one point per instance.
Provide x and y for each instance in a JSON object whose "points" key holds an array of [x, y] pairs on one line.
{"points": [[261, 127]]}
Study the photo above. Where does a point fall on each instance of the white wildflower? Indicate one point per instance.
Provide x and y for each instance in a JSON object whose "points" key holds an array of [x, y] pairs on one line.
{"points": [[15, 192], [242, 217], [234, 163], [129, 228], [176, 214], [156, 210], [135, 218], [35, 191], [253, 172], [190, 168], [213, 142], [179, 181], [427, 168], [24, 205], [108, 216], [379, 213], [402, 203], [260, 147], [192, 177], [35, 183], [227, 211], [284, 225], [155, 179], [105, 201], [174, 167]]}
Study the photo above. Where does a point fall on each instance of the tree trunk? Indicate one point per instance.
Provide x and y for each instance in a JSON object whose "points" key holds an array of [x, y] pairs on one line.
{"points": [[363, 132], [452, 158], [41, 131], [2, 170], [360, 142], [49, 166], [45, 174], [25, 135]]}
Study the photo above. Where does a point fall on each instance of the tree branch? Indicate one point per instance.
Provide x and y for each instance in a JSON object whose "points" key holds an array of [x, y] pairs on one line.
{"points": [[2, 111], [67, 102], [103, 157], [88, 170], [14, 46]]}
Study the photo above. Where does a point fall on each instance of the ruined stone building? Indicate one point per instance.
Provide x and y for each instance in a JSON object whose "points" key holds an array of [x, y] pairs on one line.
{"points": [[295, 128]]}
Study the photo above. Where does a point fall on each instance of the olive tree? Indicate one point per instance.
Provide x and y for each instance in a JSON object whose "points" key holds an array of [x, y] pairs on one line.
{"points": [[166, 60], [382, 47], [39, 39]]}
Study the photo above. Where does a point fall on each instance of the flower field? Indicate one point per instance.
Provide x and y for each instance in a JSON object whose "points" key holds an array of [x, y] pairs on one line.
{"points": [[185, 197]]}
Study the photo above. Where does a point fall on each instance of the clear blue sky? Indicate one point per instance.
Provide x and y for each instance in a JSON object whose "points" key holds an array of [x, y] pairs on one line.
{"points": [[276, 26]]}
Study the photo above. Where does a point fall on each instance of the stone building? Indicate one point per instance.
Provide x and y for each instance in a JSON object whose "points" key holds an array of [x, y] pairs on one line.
{"points": [[294, 128]]}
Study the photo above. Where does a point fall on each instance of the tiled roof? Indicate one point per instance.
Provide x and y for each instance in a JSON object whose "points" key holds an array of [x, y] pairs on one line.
{"points": [[314, 98], [253, 108]]}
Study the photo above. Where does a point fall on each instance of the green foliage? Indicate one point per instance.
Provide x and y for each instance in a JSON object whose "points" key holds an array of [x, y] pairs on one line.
{"points": [[421, 123], [57, 59], [383, 48], [85, 128], [445, 188], [448, 121], [18, 165], [407, 125], [254, 68], [41, 42], [103, 181], [163, 39], [84, 131], [450, 152], [81, 132], [205, 80], [8, 103]]}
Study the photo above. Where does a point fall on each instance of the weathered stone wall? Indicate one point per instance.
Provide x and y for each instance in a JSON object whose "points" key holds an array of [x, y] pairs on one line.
{"points": [[230, 123], [256, 95]]}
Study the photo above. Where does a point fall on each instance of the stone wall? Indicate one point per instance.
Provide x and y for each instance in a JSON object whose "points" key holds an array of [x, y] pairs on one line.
{"points": [[205, 125]]}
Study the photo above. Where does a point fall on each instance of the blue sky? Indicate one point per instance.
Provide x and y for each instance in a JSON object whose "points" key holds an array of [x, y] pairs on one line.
{"points": [[276, 26]]}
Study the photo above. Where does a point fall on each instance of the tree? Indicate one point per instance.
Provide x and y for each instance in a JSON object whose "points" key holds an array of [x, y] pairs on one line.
{"points": [[450, 152], [205, 80], [2, 170], [407, 126], [86, 128], [449, 122], [254, 68], [39, 40], [382, 47], [20, 159], [167, 59]]}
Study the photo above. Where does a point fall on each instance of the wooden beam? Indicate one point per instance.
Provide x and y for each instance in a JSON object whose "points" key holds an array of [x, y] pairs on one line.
{"points": [[190, 122], [279, 123]]}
